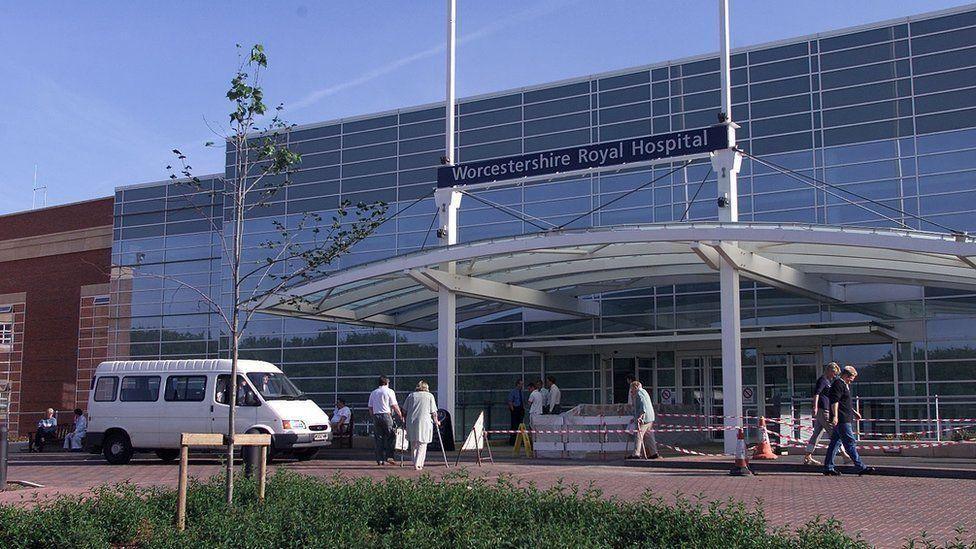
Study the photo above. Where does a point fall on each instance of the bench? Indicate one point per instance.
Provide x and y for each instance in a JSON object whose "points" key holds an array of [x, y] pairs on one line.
{"points": [[60, 433], [344, 439]]}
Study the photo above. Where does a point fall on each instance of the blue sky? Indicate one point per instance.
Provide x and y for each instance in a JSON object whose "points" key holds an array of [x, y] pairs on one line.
{"points": [[96, 94]]}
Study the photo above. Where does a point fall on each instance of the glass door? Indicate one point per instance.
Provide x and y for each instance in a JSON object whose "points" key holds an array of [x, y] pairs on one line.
{"points": [[701, 385], [788, 380]]}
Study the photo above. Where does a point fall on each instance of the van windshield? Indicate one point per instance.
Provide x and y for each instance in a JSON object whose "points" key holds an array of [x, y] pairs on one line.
{"points": [[274, 386]]}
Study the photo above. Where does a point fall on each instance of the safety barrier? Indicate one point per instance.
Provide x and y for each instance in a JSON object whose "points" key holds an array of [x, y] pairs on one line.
{"points": [[604, 427]]}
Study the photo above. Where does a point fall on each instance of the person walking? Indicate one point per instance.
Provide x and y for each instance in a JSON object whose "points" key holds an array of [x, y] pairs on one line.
{"points": [[821, 412], [552, 402], [516, 408], [644, 419], [382, 405], [842, 417], [420, 409]]}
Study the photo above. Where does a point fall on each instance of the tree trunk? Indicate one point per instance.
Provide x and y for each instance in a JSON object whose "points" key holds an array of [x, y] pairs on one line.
{"points": [[239, 186]]}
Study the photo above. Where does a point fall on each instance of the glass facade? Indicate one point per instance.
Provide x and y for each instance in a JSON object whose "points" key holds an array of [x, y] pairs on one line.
{"points": [[887, 112]]}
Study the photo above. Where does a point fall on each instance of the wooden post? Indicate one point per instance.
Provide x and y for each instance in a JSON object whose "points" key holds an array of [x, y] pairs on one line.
{"points": [[181, 493], [262, 471]]}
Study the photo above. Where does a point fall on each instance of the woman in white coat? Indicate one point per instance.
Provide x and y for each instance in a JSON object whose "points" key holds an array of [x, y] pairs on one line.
{"points": [[421, 417]]}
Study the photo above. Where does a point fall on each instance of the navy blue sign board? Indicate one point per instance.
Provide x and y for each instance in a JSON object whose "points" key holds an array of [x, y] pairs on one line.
{"points": [[611, 153]]}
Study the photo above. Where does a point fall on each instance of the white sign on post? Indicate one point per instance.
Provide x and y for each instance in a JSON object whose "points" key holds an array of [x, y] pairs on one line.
{"points": [[667, 396], [748, 395]]}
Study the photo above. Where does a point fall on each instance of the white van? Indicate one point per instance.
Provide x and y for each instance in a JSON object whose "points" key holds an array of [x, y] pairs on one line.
{"points": [[144, 405]]}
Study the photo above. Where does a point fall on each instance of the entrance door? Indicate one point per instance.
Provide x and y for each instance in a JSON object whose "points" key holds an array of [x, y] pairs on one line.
{"points": [[701, 385], [788, 380]]}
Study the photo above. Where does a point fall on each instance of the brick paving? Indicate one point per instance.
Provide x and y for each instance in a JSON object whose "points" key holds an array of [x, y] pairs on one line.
{"points": [[884, 510]]}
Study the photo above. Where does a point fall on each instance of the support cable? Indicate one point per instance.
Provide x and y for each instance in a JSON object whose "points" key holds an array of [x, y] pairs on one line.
{"points": [[814, 181], [432, 220], [692, 201], [405, 208], [511, 211], [626, 194]]}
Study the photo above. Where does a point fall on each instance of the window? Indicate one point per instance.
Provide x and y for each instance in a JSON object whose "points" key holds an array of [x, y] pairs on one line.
{"points": [[105, 389], [6, 333], [139, 389], [245, 393], [185, 388]]}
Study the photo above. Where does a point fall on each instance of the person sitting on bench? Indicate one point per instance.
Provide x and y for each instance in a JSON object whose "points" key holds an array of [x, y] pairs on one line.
{"points": [[341, 417], [73, 439], [46, 429]]}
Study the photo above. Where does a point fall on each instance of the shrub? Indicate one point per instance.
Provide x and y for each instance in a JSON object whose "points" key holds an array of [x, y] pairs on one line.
{"points": [[457, 511]]}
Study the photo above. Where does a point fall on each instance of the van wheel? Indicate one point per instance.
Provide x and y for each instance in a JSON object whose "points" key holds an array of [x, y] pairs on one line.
{"points": [[117, 449], [167, 454], [305, 454]]}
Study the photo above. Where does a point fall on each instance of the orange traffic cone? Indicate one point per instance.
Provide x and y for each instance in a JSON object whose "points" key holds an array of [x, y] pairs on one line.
{"points": [[764, 450], [740, 468]]}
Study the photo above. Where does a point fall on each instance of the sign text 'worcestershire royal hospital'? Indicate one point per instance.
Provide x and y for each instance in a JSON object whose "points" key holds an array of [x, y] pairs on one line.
{"points": [[598, 155]]}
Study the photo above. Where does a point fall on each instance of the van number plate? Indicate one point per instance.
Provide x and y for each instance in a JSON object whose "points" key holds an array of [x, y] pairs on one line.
{"points": [[319, 437]]}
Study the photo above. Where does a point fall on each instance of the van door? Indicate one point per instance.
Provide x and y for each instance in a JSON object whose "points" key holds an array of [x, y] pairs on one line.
{"points": [[185, 408], [247, 405], [140, 409]]}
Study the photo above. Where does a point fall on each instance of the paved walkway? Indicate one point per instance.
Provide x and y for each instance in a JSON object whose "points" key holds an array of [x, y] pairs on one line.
{"points": [[884, 510]]}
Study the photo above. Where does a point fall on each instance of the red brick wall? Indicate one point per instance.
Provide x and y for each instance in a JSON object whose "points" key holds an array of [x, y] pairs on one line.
{"points": [[51, 326], [52, 284], [59, 219], [92, 345]]}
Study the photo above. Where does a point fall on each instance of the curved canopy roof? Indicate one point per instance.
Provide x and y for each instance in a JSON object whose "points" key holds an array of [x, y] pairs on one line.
{"points": [[553, 270]]}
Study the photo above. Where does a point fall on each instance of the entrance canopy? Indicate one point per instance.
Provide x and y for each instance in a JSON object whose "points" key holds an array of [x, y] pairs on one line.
{"points": [[556, 271]]}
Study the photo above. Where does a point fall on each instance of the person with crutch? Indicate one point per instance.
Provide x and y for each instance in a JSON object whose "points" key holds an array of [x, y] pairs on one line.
{"points": [[421, 419], [644, 418]]}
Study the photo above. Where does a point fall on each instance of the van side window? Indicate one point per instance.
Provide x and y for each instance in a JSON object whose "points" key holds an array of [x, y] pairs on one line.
{"points": [[139, 389], [105, 388], [185, 388], [245, 394]]}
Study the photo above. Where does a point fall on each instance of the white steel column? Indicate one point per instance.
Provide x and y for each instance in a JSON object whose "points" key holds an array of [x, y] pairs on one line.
{"points": [[451, 97], [726, 164], [448, 201]]}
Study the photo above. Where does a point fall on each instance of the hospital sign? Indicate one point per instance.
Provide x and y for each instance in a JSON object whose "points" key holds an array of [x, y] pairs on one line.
{"points": [[599, 155]]}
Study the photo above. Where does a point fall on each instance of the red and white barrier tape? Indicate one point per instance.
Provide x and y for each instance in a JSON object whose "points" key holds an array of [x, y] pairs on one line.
{"points": [[797, 443]]}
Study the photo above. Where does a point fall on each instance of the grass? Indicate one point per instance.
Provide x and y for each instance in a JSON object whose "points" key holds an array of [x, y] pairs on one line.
{"points": [[457, 511]]}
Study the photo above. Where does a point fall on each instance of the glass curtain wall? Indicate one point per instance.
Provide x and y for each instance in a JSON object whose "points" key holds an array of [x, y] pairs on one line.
{"points": [[887, 112]]}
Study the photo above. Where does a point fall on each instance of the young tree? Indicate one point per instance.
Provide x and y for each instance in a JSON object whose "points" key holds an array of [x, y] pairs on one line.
{"points": [[300, 250]]}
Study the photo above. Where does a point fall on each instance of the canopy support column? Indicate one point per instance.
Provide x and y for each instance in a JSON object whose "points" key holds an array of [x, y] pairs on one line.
{"points": [[448, 201], [726, 164]]}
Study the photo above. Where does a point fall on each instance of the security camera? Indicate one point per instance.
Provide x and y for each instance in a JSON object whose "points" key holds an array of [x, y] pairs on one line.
{"points": [[723, 200], [443, 160], [722, 117], [441, 233]]}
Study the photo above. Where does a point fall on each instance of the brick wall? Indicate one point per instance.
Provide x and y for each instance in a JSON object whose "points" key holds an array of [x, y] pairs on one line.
{"points": [[93, 320]]}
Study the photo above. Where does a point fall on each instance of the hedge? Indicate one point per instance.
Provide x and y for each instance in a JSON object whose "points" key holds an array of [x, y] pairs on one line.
{"points": [[457, 511]]}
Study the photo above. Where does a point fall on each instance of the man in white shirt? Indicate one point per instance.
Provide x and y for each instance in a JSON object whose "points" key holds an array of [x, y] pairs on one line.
{"points": [[536, 404], [341, 416], [552, 402], [382, 405], [541, 387], [73, 440]]}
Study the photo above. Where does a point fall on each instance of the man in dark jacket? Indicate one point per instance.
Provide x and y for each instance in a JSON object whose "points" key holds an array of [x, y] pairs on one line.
{"points": [[842, 417]]}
